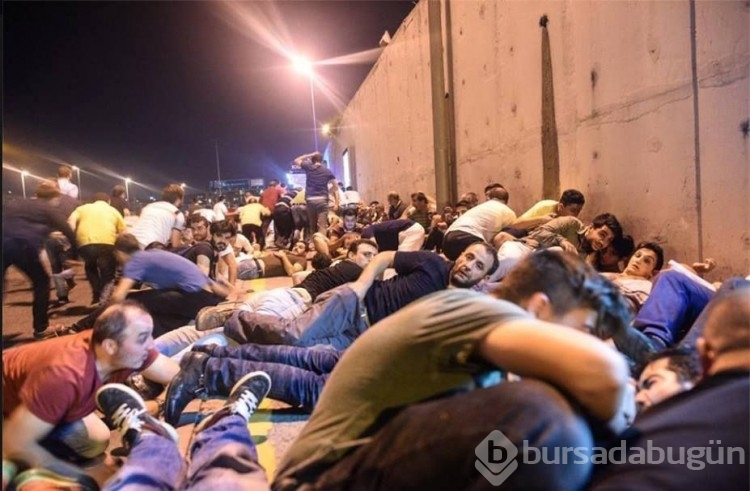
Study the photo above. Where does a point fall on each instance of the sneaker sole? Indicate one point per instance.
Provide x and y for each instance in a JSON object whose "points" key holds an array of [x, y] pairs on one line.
{"points": [[149, 419]]}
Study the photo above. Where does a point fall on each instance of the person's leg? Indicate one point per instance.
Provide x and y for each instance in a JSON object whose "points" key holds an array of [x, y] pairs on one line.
{"points": [[175, 341], [282, 302], [696, 330], [431, 446], [223, 454], [106, 262], [434, 240], [171, 308], [90, 256], [320, 243], [674, 304], [79, 440], [26, 258], [411, 239], [318, 359]]}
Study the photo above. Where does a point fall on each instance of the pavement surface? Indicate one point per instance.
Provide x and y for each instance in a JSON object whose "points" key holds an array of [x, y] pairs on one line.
{"points": [[273, 427]]}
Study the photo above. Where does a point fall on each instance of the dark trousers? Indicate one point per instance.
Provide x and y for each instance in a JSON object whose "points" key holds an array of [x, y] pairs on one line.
{"points": [[254, 234], [299, 215], [283, 223], [170, 308], [455, 242], [434, 240], [297, 374], [24, 256], [100, 264], [439, 444]]}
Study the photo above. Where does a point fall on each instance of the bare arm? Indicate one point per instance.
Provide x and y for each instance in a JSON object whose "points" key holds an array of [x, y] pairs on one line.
{"points": [[175, 238], [588, 369], [289, 268], [299, 160], [122, 290], [21, 434], [531, 222], [162, 370], [374, 270], [231, 263], [204, 264]]}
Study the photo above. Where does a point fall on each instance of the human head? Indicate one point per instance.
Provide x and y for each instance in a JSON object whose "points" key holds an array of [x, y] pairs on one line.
{"points": [[554, 285], [608, 259], [123, 335], [118, 191], [299, 248], [273, 183], [220, 198], [474, 265], [667, 373], [173, 193], [470, 198], [200, 226], [647, 260], [419, 201], [65, 172], [47, 189], [361, 252], [393, 198], [490, 187], [497, 192], [603, 230], [221, 233], [316, 158], [725, 343], [349, 219], [125, 246], [461, 207], [571, 203], [320, 261], [101, 197]]}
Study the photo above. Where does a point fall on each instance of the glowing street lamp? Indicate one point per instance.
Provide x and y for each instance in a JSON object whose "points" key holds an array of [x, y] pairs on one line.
{"points": [[78, 177], [183, 186], [305, 67], [23, 182], [127, 191], [326, 130]]}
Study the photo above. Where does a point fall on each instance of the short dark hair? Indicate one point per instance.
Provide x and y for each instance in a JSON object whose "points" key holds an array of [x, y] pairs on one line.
{"points": [[419, 196], [610, 221], [223, 227], [101, 197], [682, 361], [656, 249], [172, 192], [623, 246], [572, 197], [492, 185], [118, 190], [320, 261], [220, 198], [316, 158], [114, 320], [569, 283], [354, 246], [349, 212], [198, 218], [47, 189], [127, 243], [65, 171]]}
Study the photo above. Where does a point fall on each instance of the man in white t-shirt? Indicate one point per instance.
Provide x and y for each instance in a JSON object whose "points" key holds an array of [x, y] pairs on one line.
{"points": [[64, 173], [220, 209], [162, 222]]}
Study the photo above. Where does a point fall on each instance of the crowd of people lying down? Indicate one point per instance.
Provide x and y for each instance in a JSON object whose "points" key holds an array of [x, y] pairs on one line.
{"points": [[457, 349]]}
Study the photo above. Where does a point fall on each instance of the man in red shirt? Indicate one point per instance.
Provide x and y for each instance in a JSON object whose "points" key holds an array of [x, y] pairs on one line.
{"points": [[49, 388], [268, 198]]}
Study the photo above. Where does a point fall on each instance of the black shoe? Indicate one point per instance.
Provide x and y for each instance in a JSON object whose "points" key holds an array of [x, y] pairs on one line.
{"points": [[245, 398], [186, 386], [124, 409]]}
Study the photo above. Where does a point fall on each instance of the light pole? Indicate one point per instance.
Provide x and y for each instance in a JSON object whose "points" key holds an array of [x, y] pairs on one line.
{"points": [[23, 182], [304, 66], [127, 189], [78, 177]]}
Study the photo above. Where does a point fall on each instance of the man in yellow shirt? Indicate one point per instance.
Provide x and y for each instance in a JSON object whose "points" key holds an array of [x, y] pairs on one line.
{"points": [[97, 225]]}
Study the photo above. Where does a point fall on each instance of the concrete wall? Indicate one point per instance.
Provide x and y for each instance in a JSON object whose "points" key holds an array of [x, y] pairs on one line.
{"points": [[649, 97]]}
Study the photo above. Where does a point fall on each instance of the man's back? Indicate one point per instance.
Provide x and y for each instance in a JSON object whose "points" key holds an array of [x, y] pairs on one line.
{"points": [[156, 223], [484, 220], [325, 279]]}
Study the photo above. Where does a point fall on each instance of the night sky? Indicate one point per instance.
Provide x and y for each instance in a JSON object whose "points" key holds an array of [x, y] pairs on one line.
{"points": [[144, 89]]}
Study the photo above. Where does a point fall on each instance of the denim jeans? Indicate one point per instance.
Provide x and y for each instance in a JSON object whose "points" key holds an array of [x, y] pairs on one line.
{"points": [[297, 374], [335, 318], [176, 343], [434, 444], [674, 304], [222, 456]]}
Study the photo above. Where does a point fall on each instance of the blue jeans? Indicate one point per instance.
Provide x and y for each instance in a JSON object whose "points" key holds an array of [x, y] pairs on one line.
{"points": [[674, 304], [222, 457], [335, 318], [297, 374]]}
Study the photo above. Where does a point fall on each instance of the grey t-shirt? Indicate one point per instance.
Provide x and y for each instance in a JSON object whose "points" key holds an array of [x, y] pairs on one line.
{"points": [[421, 351]]}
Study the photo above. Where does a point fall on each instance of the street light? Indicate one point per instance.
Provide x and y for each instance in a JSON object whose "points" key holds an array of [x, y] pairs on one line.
{"points": [[23, 182], [78, 177], [304, 66], [127, 192]]}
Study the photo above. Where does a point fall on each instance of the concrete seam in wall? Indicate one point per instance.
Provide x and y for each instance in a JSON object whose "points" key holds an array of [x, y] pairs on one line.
{"points": [[696, 129]]}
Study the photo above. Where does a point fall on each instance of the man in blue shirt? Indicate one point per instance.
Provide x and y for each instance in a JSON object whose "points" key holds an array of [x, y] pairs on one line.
{"points": [[316, 190]]}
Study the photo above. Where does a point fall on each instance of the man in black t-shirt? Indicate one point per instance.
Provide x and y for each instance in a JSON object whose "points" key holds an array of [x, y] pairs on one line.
{"points": [[339, 316], [206, 250]]}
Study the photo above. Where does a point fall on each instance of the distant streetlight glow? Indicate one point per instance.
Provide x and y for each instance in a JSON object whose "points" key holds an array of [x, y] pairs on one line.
{"points": [[183, 185], [78, 178], [305, 66], [23, 182], [326, 130]]}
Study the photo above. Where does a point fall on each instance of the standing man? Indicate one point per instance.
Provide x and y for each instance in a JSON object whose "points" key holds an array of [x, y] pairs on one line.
{"points": [[316, 190], [64, 173], [26, 225], [97, 225], [220, 209], [268, 198]]}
